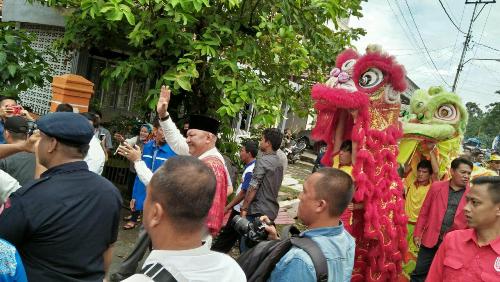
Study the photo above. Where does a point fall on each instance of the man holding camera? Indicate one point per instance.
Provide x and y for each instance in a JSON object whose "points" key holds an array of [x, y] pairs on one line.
{"points": [[262, 195], [228, 235], [324, 198], [21, 165], [10, 108]]}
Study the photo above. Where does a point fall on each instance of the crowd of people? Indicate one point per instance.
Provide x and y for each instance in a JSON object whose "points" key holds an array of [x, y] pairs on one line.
{"points": [[59, 218]]}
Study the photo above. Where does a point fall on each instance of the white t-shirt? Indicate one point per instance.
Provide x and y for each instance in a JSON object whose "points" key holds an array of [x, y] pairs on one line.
{"points": [[95, 158], [200, 264], [8, 185], [247, 170]]}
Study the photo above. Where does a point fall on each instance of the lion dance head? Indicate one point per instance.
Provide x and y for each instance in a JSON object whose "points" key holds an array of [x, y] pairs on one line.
{"points": [[361, 102]]}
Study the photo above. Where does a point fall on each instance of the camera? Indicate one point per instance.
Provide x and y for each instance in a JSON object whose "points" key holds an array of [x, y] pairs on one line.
{"points": [[31, 127], [253, 232]]}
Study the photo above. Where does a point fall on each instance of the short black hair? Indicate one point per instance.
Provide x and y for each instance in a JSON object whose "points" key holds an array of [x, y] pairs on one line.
{"points": [[65, 107], [460, 160], [17, 135], [251, 147], [493, 183], [425, 164], [336, 188], [346, 146], [274, 136], [185, 187], [92, 117]]}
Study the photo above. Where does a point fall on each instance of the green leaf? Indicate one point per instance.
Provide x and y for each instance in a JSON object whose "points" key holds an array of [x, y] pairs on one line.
{"points": [[12, 69], [114, 15], [3, 57], [184, 83], [130, 17], [10, 38]]}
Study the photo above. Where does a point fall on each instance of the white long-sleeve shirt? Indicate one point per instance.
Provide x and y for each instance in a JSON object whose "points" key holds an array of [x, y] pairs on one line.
{"points": [[178, 144], [8, 185], [95, 157]]}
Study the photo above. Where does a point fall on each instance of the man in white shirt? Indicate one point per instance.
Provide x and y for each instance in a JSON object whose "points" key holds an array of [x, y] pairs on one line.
{"points": [[95, 157], [8, 185], [178, 199]]}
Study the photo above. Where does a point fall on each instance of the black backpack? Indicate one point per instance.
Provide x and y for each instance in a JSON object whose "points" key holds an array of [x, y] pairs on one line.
{"points": [[259, 261]]}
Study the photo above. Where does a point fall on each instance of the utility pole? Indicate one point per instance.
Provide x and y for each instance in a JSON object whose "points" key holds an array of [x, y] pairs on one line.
{"points": [[468, 36]]}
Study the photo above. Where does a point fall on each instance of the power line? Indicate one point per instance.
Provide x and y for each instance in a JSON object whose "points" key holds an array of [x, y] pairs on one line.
{"points": [[486, 46], [468, 37], [449, 17], [456, 38], [422, 51], [425, 46], [458, 28], [480, 38], [411, 36]]}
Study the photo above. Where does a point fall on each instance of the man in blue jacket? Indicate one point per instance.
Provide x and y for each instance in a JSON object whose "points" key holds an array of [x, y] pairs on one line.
{"points": [[155, 153]]}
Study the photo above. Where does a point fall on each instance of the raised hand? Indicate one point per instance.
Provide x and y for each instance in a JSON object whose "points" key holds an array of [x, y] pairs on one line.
{"points": [[163, 101], [131, 153]]}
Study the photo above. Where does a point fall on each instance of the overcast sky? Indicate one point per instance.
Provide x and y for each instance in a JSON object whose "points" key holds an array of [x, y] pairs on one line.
{"points": [[389, 23]]}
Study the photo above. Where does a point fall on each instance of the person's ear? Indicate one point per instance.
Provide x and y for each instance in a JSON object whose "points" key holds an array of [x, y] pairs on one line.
{"points": [[156, 215], [52, 145], [321, 206]]}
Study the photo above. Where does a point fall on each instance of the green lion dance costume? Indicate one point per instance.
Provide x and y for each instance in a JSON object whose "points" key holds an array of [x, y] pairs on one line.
{"points": [[437, 117]]}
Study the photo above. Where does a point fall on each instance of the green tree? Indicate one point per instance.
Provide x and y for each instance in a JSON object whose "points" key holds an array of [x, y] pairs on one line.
{"points": [[475, 118], [21, 66], [220, 55], [483, 125], [490, 125]]}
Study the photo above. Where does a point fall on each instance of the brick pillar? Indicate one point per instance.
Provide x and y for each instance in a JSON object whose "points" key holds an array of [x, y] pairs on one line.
{"points": [[72, 89]]}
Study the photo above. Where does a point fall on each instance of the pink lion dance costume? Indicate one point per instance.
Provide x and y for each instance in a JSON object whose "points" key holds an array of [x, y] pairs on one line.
{"points": [[370, 86]]}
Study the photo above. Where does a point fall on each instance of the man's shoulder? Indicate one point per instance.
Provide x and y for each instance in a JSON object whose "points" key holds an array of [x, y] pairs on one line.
{"points": [[458, 235], [438, 185], [296, 256]]}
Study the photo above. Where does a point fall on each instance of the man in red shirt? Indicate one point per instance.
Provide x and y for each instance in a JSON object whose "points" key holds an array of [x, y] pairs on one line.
{"points": [[473, 254], [441, 212]]}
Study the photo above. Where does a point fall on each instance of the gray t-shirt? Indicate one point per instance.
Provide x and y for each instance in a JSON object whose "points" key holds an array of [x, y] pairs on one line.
{"points": [[21, 166], [266, 178]]}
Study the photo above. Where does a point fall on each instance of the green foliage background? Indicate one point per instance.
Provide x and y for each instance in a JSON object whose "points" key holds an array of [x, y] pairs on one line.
{"points": [[484, 125], [21, 66], [221, 54]]}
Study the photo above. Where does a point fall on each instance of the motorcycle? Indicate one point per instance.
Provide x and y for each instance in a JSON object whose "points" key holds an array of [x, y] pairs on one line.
{"points": [[295, 149]]}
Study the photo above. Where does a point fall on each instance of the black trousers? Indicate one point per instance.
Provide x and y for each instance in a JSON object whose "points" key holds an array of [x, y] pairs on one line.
{"points": [[227, 236], [424, 261]]}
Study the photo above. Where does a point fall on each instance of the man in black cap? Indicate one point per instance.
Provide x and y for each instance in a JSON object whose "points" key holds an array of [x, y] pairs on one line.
{"points": [[65, 223], [200, 143], [21, 165]]}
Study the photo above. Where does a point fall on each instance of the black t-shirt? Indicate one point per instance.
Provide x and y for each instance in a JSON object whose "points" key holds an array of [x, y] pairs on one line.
{"points": [[63, 223]]}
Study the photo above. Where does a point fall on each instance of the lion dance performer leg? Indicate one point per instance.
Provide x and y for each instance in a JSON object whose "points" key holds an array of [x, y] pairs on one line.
{"points": [[361, 102]]}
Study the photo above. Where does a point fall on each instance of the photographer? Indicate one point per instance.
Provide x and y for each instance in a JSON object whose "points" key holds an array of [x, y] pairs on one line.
{"points": [[10, 108], [262, 195], [21, 165], [325, 196]]}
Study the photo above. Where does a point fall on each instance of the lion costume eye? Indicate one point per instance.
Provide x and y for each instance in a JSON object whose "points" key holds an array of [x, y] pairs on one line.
{"points": [[371, 78], [446, 112], [348, 64]]}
